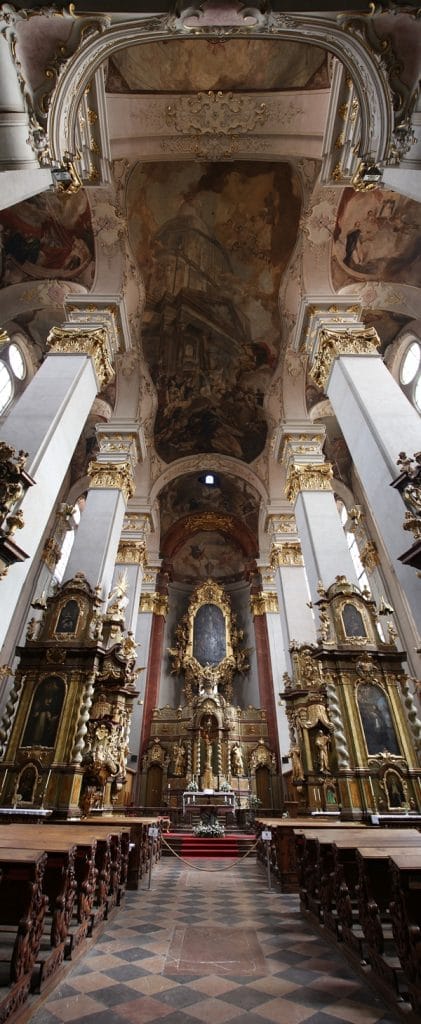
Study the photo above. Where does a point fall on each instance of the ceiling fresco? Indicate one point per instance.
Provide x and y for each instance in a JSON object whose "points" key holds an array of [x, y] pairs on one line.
{"points": [[48, 236], [208, 555], [212, 242], [377, 236], [229, 495], [194, 65]]}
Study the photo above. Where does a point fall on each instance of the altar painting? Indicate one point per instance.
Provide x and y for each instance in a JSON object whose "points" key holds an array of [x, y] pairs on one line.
{"points": [[377, 720]]}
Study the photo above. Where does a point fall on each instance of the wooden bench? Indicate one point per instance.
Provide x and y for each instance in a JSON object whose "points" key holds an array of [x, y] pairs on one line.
{"points": [[22, 909], [365, 887]]}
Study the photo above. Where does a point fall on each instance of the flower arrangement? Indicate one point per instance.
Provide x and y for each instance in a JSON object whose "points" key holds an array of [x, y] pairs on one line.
{"points": [[192, 787], [214, 831], [254, 801], [225, 787]]}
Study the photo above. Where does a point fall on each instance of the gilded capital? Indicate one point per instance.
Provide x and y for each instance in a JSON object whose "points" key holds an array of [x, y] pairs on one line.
{"points": [[264, 602], [332, 344], [90, 342], [131, 552], [287, 553], [112, 476], [308, 477], [157, 604]]}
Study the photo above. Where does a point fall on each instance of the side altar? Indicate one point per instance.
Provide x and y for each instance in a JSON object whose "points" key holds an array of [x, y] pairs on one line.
{"points": [[210, 744]]}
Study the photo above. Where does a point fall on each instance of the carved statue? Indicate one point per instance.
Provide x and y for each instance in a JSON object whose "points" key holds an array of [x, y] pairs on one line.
{"points": [[117, 598], [296, 762], [179, 758], [237, 762], [322, 747]]}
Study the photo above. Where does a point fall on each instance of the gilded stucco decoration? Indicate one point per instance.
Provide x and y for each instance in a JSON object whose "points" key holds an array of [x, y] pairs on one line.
{"points": [[131, 552], [286, 553], [112, 475], [88, 341], [216, 113], [308, 477], [335, 343]]}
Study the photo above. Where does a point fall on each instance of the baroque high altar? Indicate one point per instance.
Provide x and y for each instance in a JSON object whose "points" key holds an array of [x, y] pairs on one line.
{"points": [[211, 743]]}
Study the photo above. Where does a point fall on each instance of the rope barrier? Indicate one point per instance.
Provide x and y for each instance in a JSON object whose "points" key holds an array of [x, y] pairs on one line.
{"points": [[196, 867]]}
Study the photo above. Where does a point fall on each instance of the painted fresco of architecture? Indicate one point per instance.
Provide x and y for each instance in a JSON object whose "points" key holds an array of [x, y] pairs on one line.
{"points": [[210, 399]]}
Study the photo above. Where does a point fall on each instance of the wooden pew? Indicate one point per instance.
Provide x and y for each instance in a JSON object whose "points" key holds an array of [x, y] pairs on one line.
{"points": [[141, 846], [59, 886], [366, 888], [54, 840], [22, 910], [405, 913]]}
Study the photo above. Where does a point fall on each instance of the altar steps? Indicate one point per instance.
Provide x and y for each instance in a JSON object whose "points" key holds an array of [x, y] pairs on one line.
{"points": [[186, 845]]}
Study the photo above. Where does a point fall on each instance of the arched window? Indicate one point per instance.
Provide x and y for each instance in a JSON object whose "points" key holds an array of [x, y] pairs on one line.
{"points": [[353, 547], [410, 371]]}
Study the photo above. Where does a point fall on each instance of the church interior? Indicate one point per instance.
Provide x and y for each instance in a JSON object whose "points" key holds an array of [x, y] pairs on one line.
{"points": [[210, 491]]}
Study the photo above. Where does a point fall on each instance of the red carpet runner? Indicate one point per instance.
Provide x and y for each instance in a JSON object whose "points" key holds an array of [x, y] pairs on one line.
{"points": [[189, 845]]}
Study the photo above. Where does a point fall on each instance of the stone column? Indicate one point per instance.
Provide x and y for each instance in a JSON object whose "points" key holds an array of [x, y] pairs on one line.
{"points": [[46, 423], [112, 484], [287, 560], [377, 422], [309, 489]]}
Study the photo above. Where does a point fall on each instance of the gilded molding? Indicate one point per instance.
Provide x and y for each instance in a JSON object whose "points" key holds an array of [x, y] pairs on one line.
{"points": [[131, 552], [160, 604], [332, 344], [112, 475], [264, 602], [284, 523], [93, 343], [286, 553], [208, 521], [157, 604], [146, 603], [369, 556], [308, 477]]}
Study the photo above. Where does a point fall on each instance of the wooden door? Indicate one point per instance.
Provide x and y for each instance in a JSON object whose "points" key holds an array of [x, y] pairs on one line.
{"points": [[154, 786]]}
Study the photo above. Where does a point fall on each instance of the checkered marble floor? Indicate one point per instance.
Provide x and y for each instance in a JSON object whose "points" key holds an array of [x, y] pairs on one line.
{"points": [[211, 946]]}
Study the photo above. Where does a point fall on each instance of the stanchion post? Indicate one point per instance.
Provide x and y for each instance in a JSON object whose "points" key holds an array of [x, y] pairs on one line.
{"points": [[266, 836], [153, 833]]}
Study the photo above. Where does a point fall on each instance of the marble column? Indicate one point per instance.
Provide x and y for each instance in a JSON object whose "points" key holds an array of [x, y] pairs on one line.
{"points": [[377, 421], [259, 607], [46, 422], [309, 490], [159, 607]]}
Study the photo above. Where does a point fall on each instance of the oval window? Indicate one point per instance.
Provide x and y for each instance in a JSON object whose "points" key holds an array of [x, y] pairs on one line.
{"points": [[410, 363], [17, 361], [6, 387]]}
